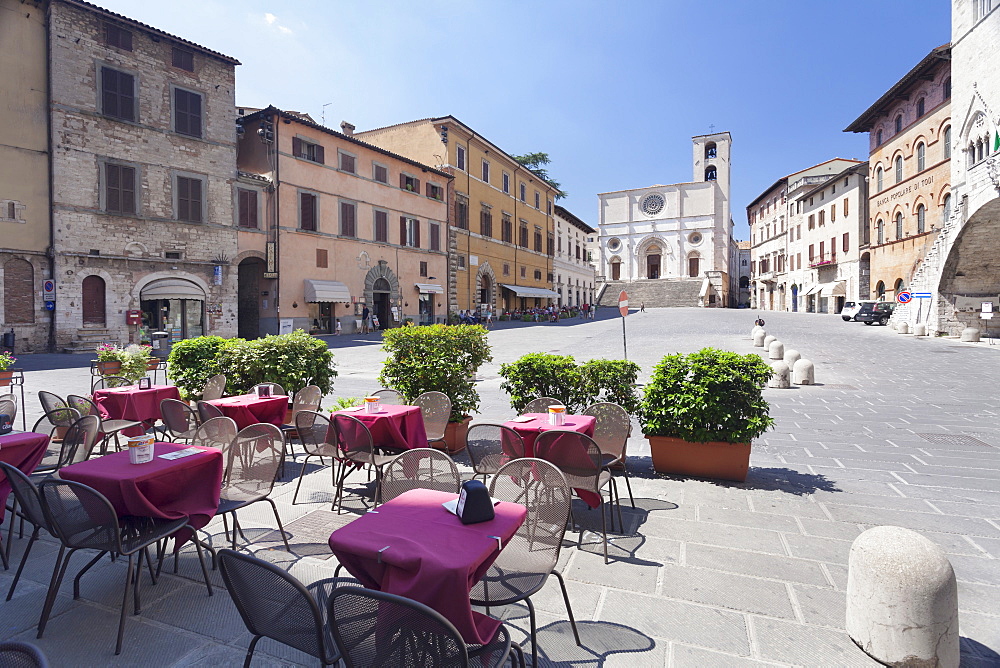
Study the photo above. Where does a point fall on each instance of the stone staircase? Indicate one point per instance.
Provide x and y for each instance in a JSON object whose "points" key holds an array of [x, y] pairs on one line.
{"points": [[653, 292], [88, 339]]}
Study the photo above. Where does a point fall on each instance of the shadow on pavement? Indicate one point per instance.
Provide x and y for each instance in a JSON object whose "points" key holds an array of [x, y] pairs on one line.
{"points": [[556, 646], [785, 480]]}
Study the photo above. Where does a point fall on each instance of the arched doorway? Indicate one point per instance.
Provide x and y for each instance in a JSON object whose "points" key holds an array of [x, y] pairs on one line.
{"points": [[694, 265], [880, 291], [94, 302], [174, 305], [653, 262], [249, 274], [381, 292], [616, 270], [865, 276]]}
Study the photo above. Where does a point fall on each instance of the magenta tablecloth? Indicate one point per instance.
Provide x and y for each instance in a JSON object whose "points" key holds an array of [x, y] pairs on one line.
{"points": [[164, 488], [399, 427], [23, 451], [131, 403], [431, 557], [529, 431], [248, 409]]}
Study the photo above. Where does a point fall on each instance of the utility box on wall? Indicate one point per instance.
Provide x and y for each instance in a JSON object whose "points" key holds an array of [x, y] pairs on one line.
{"points": [[133, 317]]}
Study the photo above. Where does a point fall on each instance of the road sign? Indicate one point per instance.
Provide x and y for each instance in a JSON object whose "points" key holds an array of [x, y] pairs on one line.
{"points": [[987, 307], [921, 295], [50, 306], [623, 303], [49, 290], [904, 297]]}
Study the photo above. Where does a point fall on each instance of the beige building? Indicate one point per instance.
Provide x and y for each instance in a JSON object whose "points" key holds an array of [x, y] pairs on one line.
{"points": [[142, 173], [24, 175], [574, 273], [910, 139], [501, 233], [328, 224]]}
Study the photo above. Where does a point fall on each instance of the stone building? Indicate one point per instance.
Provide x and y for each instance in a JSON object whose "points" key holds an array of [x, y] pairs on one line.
{"points": [[329, 223], [743, 274], [670, 245], [574, 273], [501, 235], [961, 269], [910, 137], [144, 158], [24, 175]]}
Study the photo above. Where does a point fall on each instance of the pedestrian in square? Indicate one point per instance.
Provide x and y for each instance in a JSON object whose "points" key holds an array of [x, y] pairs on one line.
{"points": [[337, 330]]}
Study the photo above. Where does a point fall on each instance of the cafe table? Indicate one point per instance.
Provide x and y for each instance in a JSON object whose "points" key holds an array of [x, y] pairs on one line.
{"points": [[394, 427], [132, 403], [412, 546], [248, 409], [24, 451], [163, 488], [530, 425]]}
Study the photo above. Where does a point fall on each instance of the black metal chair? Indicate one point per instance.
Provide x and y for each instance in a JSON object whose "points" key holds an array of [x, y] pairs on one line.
{"points": [[83, 518], [435, 408], [490, 446], [107, 382], [207, 411], [524, 565], [275, 605], [8, 406], [356, 448], [110, 428], [21, 655], [215, 433], [77, 442], [214, 388], [180, 421], [28, 507], [540, 405], [376, 629], [420, 468], [611, 431], [314, 431], [55, 415]]}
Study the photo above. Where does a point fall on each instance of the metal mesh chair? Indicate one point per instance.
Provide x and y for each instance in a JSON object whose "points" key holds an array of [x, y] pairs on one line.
{"points": [[389, 397], [110, 428], [314, 431], [61, 418], [375, 629], [490, 446], [77, 442], [579, 458], [276, 389], [524, 565], [108, 382], [28, 507], [540, 405], [275, 605], [611, 432], [207, 411], [8, 406], [356, 447], [435, 407], [180, 421], [51, 403], [215, 433], [215, 388], [252, 461], [306, 399], [21, 655], [420, 468], [83, 518]]}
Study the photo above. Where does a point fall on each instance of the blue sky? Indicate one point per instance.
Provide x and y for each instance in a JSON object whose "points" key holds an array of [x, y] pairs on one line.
{"points": [[612, 91]]}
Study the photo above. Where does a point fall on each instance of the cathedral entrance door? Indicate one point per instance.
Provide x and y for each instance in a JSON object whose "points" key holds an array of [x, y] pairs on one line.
{"points": [[653, 266]]}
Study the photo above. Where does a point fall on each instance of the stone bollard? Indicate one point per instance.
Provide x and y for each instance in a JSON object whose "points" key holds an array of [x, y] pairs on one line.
{"points": [[970, 335], [756, 328], [902, 600], [903, 327], [920, 329], [791, 357], [768, 340], [803, 373], [758, 338], [776, 350], [779, 379]]}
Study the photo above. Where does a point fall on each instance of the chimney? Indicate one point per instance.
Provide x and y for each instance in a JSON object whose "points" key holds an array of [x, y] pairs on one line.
{"points": [[347, 128]]}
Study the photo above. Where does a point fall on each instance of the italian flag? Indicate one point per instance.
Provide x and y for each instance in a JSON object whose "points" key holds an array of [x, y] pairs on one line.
{"points": [[996, 141]]}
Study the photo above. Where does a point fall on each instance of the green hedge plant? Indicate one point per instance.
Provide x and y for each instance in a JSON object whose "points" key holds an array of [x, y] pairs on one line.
{"points": [[442, 358], [710, 395], [575, 385]]}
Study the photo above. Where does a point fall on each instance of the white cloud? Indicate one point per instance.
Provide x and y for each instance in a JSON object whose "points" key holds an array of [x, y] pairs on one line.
{"points": [[272, 21], [270, 18], [286, 30]]}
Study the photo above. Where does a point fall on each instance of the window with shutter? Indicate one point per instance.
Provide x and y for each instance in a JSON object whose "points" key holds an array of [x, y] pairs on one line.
{"points": [[423, 269], [297, 148], [402, 230], [381, 174], [409, 183], [117, 94], [415, 228], [538, 241], [347, 163], [486, 171], [307, 212], [189, 199], [435, 236], [247, 204], [117, 37], [460, 157], [486, 223], [182, 59], [538, 200], [348, 212], [847, 245], [462, 213], [322, 258], [381, 226], [187, 112], [507, 229], [119, 189]]}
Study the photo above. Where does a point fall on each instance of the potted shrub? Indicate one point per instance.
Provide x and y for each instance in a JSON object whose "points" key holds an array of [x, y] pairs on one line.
{"points": [[442, 358], [701, 411], [131, 362], [576, 385], [108, 360], [6, 373]]}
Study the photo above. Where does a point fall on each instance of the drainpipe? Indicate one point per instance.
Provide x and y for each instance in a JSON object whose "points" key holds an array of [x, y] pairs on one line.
{"points": [[51, 252], [275, 221]]}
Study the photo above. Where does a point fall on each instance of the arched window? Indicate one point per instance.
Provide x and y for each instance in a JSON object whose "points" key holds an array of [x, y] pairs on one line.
{"points": [[878, 138], [947, 142], [920, 108], [18, 291], [946, 208], [921, 157], [878, 179], [979, 150], [694, 265], [880, 232], [899, 124], [972, 154], [921, 219], [710, 150], [94, 301], [899, 168], [899, 226], [947, 88], [616, 270], [880, 290], [898, 287], [710, 174]]}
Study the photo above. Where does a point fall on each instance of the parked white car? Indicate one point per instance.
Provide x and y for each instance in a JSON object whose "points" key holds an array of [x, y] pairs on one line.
{"points": [[851, 309]]}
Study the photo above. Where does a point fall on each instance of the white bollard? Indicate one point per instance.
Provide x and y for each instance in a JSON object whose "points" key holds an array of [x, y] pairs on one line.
{"points": [[803, 373], [902, 600], [779, 379], [903, 327], [791, 357], [920, 329], [756, 328], [776, 350], [758, 338], [970, 335], [768, 340]]}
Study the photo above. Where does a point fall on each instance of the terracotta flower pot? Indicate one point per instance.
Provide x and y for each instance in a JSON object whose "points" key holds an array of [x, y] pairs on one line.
{"points": [[715, 459], [152, 364], [5, 377], [454, 436], [109, 368]]}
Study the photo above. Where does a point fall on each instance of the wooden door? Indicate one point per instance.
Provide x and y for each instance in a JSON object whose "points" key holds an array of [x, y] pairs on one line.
{"points": [[94, 301]]}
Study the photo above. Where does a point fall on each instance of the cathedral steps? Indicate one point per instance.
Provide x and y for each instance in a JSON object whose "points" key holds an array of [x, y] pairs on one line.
{"points": [[653, 292]]}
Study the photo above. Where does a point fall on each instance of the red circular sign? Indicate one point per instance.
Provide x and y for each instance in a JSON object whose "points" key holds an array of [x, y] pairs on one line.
{"points": [[623, 303]]}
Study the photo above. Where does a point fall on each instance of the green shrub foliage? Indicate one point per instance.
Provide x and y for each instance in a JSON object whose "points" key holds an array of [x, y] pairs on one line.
{"points": [[576, 385], [710, 395], [291, 360], [442, 358]]}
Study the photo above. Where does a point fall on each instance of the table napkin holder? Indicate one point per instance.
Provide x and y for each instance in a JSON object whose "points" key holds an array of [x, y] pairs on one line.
{"points": [[145, 383], [474, 503], [263, 391], [6, 423], [140, 449]]}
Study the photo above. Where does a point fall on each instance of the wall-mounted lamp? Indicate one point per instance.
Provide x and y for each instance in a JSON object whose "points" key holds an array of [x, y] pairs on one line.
{"points": [[406, 303], [295, 304]]}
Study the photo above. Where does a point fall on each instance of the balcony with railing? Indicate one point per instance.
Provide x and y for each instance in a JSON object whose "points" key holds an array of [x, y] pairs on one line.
{"points": [[822, 260]]}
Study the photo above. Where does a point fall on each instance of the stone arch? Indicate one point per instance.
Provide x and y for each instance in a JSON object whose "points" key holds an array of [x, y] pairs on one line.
{"points": [[486, 279], [18, 291], [248, 253], [652, 245], [382, 271], [972, 267], [140, 249], [156, 275], [113, 299], [693, 268], [917, 201]]}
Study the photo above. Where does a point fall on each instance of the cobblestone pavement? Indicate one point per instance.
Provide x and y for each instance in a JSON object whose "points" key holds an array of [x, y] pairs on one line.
{"points": [[898, 430]]}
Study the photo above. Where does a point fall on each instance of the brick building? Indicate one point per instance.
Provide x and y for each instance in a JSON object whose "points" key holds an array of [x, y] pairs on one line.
{"points": [[144, 158]]}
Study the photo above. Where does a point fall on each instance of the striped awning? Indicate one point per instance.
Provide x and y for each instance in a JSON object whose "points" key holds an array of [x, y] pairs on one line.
{"points": [[833, 289], [172, 288], [524, 291], [429, 288], [326, 291]]}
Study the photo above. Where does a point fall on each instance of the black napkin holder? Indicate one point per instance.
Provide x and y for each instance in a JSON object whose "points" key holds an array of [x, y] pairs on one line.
{"points": [[7, 424], [474, 503]]}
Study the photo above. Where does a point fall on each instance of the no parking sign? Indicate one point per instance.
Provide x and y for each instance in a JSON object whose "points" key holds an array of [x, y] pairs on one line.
{"points": [[904, 297]]}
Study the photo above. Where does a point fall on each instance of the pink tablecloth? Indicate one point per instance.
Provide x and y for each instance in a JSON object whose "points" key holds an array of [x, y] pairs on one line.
{"points": [[431, 557], [248, 409], [24, 451], [540, 422], [131, 403], [399, 427], [163, 488]]}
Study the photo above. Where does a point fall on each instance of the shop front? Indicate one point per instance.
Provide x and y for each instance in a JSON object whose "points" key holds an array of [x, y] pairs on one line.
{"points": [[526, 297], [175, 306], [322, 298], [427, 295]]}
